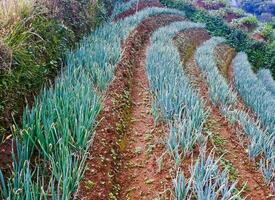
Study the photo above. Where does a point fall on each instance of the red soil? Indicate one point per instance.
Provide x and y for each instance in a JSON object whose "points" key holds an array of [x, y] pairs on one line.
{"points": [[140, 6], [234, 152], [247, 27], [213, 6], [6, 152], [230, 16], [258, 37], [144, 180], [224, 54], [124, 164]]}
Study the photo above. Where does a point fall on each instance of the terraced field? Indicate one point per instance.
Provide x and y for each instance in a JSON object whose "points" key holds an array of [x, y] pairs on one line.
{"points": [[149, 106]]}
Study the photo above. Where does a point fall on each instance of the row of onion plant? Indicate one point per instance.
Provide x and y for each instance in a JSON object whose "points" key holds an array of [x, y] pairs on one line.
{"points": [[261, 101], [122, 7], [219, 91], [253, 91], [51, 146], [261, 142], [175, 102], [265, 76]]}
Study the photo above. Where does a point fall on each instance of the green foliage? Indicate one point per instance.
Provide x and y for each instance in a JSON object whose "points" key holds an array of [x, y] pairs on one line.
{"points": [[261, 55], [37, 44], [80, 15], [268, 32], [250, 21]]}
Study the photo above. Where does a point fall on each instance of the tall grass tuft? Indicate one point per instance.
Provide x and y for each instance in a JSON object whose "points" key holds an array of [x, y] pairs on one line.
{"points": [[13, 10]]}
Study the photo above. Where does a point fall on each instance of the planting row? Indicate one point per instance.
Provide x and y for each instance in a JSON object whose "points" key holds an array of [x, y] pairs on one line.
{"points": [[266, 78], [181, 107]]}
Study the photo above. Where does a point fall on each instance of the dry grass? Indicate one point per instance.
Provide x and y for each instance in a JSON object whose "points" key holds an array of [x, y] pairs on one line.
{"points": [[13, 10]]}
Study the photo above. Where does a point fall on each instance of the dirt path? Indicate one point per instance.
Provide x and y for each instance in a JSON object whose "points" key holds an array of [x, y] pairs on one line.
{"points": [[224, 137], [126, 146], [140, 176], [142, 4], [6, 155]]}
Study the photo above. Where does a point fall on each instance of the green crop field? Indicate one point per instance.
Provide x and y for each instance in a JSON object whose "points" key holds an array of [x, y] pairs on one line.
{"points": [[135, 99]]}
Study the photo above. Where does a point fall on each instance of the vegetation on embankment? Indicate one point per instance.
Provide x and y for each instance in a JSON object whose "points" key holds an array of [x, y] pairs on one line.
{"points": [[32, 45], [260, 54]]}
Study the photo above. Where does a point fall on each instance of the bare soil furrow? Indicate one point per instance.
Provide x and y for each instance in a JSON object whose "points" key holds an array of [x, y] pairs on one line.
{"points": [[123, 158], [143, 4]]}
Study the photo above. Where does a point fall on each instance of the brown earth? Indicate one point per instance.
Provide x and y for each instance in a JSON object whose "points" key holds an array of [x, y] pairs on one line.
{"points": [[140, 6], [230, 16], [224, 54], [126, 147], [258, 37], [6, 155], [208, 6]]}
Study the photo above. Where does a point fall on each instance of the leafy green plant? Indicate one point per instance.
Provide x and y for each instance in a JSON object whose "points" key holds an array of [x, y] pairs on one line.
{"points": [[249, 21], [37, 45], [267, 31]]}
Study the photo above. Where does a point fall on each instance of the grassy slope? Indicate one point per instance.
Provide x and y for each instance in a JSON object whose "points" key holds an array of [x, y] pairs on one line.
{"points": [[38, 43]]}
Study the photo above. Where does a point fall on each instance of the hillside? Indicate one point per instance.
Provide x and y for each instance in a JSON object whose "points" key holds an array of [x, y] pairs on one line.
{"points": [[155, 99]]}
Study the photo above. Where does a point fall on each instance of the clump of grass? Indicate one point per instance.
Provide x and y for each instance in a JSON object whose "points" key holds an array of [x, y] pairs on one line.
{"points": [[32, 50], [36, 45], [14, 10], [5, 57]]}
